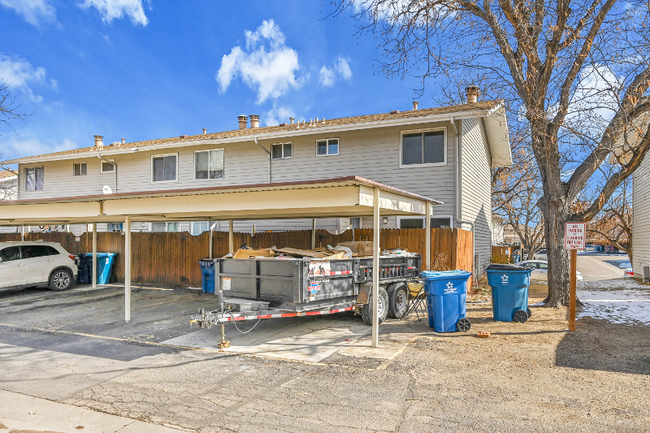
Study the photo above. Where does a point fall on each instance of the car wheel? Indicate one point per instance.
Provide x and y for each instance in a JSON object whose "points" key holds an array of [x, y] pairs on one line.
{"points": [[366, 310], [61, 279], [399, 301]]}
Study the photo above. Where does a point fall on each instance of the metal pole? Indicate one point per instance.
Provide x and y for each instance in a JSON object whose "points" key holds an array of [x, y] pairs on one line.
{"points": [[210, 246], [127, 269], [572, 292], [94, 256], [427, 226], [231, 237], [375, 270], [313, 233], [22, 233]]}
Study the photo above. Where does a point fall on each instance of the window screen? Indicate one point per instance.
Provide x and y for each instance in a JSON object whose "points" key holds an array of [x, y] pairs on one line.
{"points": [[164, 168]]}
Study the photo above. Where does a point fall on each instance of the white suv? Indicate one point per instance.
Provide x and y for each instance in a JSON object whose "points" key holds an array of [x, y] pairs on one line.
{"points": [[41, 264]]}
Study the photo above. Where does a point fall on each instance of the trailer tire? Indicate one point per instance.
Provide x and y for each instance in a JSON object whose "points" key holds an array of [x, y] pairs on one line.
{"points": [[366, 310], [398, 300]]}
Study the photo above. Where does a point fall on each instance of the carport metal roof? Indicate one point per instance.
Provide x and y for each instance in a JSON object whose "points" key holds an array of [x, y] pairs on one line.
{"points": [[351, 196]]}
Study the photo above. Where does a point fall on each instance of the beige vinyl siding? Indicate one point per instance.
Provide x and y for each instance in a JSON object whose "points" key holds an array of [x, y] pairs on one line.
{"points": [[476, 188], [641, 217]]}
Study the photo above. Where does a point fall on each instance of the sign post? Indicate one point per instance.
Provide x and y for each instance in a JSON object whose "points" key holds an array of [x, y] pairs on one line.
{"points": [[574, 240]]}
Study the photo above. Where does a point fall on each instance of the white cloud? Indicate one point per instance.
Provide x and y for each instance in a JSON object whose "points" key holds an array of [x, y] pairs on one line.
{"points": [[278, 115], [19, 75], [33, 11], [267, 65], [15, 147], [328, 75], [116, 9]]}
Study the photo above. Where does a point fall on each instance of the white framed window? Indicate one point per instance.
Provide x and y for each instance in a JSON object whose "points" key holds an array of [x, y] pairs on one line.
{"points": [[79, 169], [437, 222], [423, 147], [114, 227], [282, 151], [200, 227], [208, 164], [164, 168], [34, 178], [327, 147], [165, 227], [108, 167], [355, 223]]}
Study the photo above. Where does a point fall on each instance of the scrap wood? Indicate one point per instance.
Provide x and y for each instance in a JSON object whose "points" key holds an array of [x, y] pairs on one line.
{"points": [[302, 253], [483, 334], [248, 253]]}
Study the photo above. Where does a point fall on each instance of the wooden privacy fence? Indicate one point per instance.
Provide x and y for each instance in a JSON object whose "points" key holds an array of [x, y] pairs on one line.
{"points": [[171, 259]]}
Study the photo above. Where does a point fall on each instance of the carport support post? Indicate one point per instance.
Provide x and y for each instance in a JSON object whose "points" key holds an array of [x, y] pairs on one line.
{"points": [[94, 277], [22, 233], [375, 269], [127, 269], [231, 237], [313, 233], [427, 226]]}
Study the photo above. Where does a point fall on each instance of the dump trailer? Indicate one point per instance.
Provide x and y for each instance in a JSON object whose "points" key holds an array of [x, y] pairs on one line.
{"points": [[268, 288]]}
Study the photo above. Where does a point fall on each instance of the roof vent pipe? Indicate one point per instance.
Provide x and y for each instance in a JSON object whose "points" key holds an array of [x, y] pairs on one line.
{"points": [[99, 140], [123, 140], [415, 105], [243, 121], [291, 119], [205, 131], [255, 121], [473, 93]]}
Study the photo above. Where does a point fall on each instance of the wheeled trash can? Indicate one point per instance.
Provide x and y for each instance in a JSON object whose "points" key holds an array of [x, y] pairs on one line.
{"points": [[207, 275], [509, 292], [447, 300]]}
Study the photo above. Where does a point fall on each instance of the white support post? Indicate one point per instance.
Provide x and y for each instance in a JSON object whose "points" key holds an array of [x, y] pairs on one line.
{"points": [[313, 233], [22, 233], [94, 275], [375, 270], [231, 237], [127, 269], [427, 225]]}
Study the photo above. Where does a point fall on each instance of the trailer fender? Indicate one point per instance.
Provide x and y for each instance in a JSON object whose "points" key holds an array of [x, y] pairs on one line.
{"points": [[364, 293]]}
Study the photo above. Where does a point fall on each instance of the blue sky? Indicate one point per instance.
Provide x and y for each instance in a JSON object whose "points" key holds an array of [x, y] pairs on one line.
{"points": [[147, 69]]}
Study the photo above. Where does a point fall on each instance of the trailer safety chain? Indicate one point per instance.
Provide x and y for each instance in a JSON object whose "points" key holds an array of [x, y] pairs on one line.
{"points": [[234, 322]]}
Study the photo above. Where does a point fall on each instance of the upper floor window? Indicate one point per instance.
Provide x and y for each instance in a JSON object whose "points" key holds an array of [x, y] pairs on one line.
{"points": [[282, 151], [79, 169], [208, 164], [164, 168], [108, 166], [34, 178], [424, 148], [327, 147]]}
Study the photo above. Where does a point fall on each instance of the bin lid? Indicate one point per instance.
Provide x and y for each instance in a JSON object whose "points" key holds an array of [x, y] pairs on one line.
{"points": [[506, 268], [444, 275]]}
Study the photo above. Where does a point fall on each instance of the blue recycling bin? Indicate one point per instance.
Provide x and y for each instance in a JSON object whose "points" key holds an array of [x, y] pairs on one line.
{"points": [[104, 268], [509, 292], [207, 275], [447, 299]]}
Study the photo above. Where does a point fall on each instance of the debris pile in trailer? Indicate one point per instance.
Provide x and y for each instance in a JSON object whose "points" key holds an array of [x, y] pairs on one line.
{"points": [[343, 250]]}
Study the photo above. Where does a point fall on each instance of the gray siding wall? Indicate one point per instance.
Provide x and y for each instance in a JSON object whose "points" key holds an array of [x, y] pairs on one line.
{"points": [[476, 188], [641, 217], [373, 154]]}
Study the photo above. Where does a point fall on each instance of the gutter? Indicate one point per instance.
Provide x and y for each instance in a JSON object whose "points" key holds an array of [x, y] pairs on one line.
{"points": [[268, 153]]}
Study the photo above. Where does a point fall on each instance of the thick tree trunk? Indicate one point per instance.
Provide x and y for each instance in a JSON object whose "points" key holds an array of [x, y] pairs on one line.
{"points": [[555, 217]]}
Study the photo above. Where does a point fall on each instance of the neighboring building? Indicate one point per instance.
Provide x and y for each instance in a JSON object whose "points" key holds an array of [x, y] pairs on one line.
{"points": [[8, 185], [498, 226], [444, 153], [641, 217]]}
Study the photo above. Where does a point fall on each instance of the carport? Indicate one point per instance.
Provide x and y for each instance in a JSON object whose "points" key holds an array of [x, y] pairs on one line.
{"points": [[350, 196]]}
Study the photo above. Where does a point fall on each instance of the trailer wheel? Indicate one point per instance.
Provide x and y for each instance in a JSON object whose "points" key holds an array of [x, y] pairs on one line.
{"points": [[398, 301], [366, 310]]}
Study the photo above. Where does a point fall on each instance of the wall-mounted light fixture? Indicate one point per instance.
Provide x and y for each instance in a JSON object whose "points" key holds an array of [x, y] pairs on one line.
{"points": [[384, 220]]}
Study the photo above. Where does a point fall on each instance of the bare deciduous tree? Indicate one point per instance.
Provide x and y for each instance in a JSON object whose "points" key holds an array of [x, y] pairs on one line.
{"points": [[574, 73]]}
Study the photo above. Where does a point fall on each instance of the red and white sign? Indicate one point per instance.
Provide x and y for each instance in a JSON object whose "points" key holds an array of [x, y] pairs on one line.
{"points": [[574, 236]]}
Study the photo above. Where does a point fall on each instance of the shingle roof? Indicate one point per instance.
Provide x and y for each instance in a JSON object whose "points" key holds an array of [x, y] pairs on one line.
{"points": [[478, 107], [5, 174]]}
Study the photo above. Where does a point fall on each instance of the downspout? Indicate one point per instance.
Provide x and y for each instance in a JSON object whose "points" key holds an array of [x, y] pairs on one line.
{"points": [[211, 231], [268, 153], [114, 164], [458, 181]]}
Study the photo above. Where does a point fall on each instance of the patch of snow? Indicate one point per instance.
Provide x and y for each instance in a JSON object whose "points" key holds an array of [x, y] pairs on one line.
{"points": [[624, 306], [616, 284]]}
